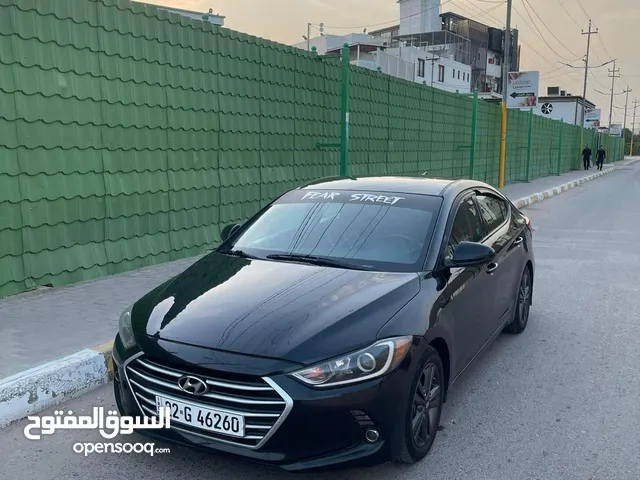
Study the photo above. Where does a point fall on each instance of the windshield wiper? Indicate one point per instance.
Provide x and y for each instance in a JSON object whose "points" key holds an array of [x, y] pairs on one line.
{"points": [[320, 261], [239, 253]]}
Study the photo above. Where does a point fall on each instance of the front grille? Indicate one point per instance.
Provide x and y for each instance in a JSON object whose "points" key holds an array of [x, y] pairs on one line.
{"points": [[263, 404]]}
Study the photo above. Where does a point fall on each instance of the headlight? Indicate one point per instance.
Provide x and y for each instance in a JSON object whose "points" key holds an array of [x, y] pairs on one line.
{"points": [[374, 361], [125, 329]]}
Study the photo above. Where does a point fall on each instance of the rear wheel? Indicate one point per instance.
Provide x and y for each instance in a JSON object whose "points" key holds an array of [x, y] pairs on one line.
{"points": [[523, 304], [422, 416]]}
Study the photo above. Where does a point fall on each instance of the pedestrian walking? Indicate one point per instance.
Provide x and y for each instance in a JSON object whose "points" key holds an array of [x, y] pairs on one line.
{"points": [[586, 157], [600, 156]]}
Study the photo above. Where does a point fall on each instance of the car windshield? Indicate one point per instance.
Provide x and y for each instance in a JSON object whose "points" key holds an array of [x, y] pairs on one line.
{"points": [[379, 231]]}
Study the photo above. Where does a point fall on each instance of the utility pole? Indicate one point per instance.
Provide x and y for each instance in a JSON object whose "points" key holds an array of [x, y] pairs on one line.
{"points": [[588, 33], [506, 64], [626, 104], [613, 74], [308, 37], [633, 125], [434, 58]]}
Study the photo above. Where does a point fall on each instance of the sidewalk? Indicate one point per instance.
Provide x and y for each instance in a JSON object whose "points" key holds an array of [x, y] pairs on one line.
{"points": [[43, 325]]}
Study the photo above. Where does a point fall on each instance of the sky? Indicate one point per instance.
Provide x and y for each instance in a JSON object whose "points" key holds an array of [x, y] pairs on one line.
{"points": [[550, 34]]}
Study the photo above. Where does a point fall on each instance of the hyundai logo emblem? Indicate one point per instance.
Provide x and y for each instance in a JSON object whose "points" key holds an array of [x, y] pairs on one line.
{"points": [[192, 385]]}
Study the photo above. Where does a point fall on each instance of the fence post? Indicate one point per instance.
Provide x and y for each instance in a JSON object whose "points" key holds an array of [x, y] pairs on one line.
{"points": [[344, 113], [529, 134], [474, 125], [560, 144]]}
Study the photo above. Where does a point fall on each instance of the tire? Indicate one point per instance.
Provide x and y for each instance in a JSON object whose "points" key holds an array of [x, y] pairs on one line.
{"points": [[413, 450], [523, 304]]}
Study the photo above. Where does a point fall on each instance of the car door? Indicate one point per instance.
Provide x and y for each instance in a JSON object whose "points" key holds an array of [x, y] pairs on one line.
{"points": [[507, 241], [471, 290]]}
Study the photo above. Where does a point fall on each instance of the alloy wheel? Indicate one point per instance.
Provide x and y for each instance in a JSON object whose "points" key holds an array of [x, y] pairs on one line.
{"points": [[524, 298], [426, 406]]}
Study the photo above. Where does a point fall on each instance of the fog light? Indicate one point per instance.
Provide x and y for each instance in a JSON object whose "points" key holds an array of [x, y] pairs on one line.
{"points": [[371, 436]]}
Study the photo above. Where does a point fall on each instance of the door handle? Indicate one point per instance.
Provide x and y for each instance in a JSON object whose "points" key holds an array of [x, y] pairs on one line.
{"points": [[492, 267], [518, 241]]}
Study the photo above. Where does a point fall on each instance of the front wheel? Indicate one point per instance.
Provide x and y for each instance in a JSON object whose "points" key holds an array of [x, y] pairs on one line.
{"points": [[523, 304], [422, 416]]}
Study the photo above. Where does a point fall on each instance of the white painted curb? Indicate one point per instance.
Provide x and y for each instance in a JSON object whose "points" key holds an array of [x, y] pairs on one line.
{"points": [[30, 392], [53, 383], [552, 192]]}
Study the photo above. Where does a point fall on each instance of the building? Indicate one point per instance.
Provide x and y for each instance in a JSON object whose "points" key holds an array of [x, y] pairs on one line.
{"points": [[463, 39], [486, 50], [411, 63], [202, 16], [560, 105]]}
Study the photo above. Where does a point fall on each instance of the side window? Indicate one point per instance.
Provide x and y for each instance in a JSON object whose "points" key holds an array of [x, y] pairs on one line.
{"points": [[467, 226], [493, 211]]}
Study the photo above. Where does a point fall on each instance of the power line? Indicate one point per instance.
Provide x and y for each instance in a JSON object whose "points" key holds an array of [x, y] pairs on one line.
{"points": [[520, 39], [567, 12], [582, 8], [545, 26], [589, 17], [486, 13], [539, 32]]}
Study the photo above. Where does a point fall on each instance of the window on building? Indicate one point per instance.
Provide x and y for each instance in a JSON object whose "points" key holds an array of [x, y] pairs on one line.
{"points": [[441, 73], [454, 73], [458, 74], [421, 67]]}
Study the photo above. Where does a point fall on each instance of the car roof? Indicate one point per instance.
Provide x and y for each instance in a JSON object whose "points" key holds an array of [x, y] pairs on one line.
{"points": [[391, 184]]}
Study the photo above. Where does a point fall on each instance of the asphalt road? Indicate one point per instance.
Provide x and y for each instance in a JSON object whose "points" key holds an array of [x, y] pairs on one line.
{"points": [[561, 401]]}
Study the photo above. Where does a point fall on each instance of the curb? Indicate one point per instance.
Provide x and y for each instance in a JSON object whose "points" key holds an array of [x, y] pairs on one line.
{"points": [[552, 192], [56, 382], [53, 383]]}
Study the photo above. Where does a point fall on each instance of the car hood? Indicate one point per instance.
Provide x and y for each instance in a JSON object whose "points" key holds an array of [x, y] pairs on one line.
{"points": [[301, 313]]}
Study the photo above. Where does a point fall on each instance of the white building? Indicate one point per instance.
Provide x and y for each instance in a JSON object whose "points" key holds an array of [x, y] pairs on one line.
{"points": [[562, 106], [419, 16], [202, 16], [456, 37], [416, 64]]}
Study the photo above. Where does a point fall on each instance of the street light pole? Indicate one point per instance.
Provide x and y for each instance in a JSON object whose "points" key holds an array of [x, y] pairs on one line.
{"points": [[308, 37]]}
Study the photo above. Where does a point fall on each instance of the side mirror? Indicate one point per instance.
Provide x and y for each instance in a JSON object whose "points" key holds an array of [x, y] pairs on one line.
{"points": [[470, 254], [228, 231]]}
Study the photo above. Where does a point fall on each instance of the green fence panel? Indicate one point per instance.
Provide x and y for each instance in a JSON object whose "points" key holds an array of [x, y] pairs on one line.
{"points": [[131, 136]]}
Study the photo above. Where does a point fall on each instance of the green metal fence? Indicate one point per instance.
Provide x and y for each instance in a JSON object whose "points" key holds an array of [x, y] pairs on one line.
{"points": [[130, 136]]}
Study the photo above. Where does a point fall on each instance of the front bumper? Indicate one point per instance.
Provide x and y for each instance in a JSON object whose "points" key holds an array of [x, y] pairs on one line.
{"points": [[316, 428]]}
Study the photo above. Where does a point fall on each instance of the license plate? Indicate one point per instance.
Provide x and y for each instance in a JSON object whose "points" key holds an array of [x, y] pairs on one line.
{"points": [[204, 418]]}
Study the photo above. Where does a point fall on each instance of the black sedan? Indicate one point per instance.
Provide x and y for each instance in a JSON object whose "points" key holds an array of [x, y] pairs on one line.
{"points": [[329, 327]]}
